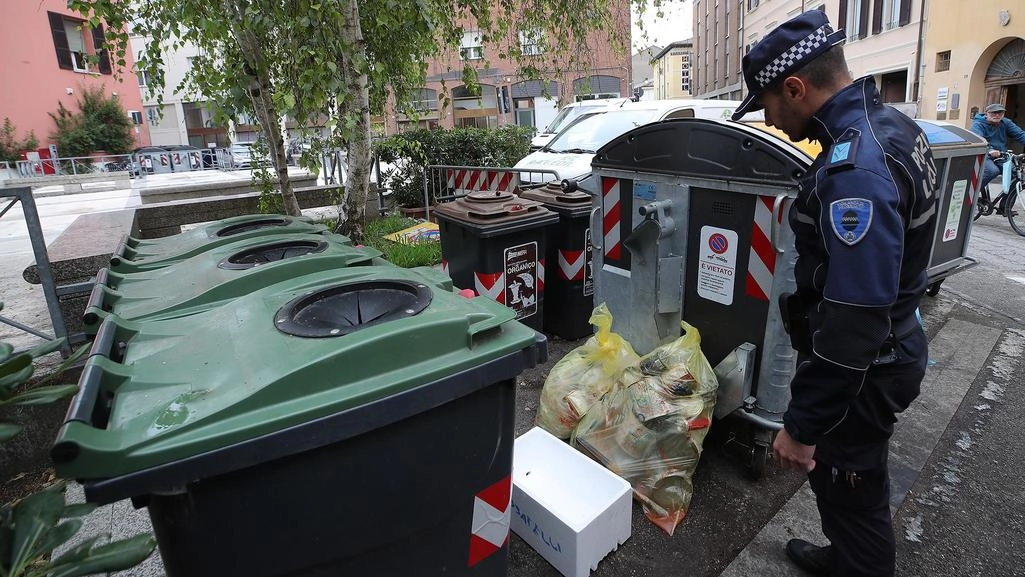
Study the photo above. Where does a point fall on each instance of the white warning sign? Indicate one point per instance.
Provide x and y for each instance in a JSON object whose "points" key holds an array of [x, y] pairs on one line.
{"points": [[717, 264], [953, 225]]}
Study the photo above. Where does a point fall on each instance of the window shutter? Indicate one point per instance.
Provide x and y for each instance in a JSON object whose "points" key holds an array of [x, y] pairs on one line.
{"points": [[841, 18], [877, 16], [98, 40], [863, 29], [905, 12], [60, 41]]}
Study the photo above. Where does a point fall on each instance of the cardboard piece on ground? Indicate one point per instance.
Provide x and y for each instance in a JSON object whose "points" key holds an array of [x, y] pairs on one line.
{"points": [[424, 231], [567, 507]]}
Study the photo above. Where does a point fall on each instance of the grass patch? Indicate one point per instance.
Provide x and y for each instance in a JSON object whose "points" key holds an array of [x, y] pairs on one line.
{"points": [[400, 254]]}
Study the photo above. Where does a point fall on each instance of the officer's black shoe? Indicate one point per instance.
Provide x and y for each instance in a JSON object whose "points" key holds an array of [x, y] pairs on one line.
{"points": [[812, 558]]}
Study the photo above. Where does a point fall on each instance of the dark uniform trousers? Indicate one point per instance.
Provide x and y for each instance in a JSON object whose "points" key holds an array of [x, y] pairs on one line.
{"points": [[850, 480]]}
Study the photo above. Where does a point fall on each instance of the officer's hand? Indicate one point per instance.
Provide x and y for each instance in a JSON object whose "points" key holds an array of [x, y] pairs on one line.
{"points": [[994, 153], [793, 455]]}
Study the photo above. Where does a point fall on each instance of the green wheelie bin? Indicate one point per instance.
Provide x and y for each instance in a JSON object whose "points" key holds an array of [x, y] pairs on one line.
{"points": [[135, 254], [218, 275], [338, 423]]}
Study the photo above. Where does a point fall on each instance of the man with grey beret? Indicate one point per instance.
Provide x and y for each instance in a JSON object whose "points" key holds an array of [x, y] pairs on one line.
{"points": [[995, 127], [863, 222]]}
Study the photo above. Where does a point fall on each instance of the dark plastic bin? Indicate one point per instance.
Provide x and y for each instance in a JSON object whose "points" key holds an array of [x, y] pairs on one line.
{"points": [[320, 427], [569, 278], [494, 243]]}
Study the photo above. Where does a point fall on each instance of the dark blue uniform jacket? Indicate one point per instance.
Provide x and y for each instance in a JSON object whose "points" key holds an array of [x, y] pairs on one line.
{"points": [[863, 224]]}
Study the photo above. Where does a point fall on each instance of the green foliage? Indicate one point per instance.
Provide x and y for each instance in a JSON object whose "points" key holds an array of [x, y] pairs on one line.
{"points": [[32, 528], [10, 145], [99, 124], [427, 253], [412, 152]]}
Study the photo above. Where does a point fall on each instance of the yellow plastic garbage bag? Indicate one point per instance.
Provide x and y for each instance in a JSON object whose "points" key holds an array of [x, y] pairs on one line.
{"points": [[650, 428], [580, 378]]}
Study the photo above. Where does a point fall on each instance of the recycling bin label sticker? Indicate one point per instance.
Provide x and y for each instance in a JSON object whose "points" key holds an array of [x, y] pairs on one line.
{"points": [[521, 279], [588, 264], [717, 264], [953, 224], [644, 190]]}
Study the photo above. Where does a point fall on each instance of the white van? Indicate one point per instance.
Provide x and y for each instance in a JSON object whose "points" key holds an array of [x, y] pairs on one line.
{"points": [[567, 114], [570, 152]]}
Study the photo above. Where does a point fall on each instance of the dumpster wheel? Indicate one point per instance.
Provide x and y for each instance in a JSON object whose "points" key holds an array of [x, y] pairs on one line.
{"points": [[934, 289], [759, 457]]}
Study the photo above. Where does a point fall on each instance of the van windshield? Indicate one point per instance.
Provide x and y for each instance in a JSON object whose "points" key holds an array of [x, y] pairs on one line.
{"points": [[596, 130], [562, 119]]}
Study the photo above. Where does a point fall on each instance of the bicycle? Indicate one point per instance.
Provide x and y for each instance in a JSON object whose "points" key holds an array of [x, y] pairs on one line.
{"points": [[1012, 194]]}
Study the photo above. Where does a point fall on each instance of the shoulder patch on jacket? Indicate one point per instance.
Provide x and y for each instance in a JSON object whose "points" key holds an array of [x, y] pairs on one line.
{"points": [[850, 219], [844, 152]]}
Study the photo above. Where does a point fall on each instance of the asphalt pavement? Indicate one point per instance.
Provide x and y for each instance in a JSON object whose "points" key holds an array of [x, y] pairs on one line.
{"points": [[956, 457]]}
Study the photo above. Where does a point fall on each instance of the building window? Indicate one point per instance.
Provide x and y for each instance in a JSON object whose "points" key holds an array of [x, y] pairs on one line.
{"points": [[143, 78], [153, 115], [136, 116], [891, 14], [471, 48], [530, 42], [74, 42], [424, 100], [943, 61]]}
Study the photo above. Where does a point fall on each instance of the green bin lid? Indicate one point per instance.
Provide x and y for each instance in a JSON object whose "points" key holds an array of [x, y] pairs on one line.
{"points": [[156, 394], [135, 254], [218, 275]]}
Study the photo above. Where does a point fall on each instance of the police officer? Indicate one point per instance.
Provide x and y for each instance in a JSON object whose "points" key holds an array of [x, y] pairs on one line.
{"points": [[863, 222]]}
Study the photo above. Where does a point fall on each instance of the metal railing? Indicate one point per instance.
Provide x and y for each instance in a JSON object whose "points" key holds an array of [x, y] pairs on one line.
{"points": [[443, 183]]}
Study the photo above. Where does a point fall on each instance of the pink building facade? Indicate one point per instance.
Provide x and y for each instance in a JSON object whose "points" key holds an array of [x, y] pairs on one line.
{"points": [[44, 47]]}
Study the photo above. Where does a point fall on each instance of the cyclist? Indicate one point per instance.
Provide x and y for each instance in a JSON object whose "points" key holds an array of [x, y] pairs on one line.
{"points": [[995, 128]]}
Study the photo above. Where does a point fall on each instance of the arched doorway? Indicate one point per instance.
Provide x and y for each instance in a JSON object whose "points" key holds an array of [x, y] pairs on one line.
{"points": [[1005, 80]]}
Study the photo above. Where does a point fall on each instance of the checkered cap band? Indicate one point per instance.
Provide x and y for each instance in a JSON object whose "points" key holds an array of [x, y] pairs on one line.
{"points": [[793, 55]]}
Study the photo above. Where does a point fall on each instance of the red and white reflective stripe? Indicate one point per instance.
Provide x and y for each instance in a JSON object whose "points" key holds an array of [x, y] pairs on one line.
{"points": [[491, 285], [540, 275], [571, 264], [976, 177], [491, 516], [610, 217], [444, 268], [761, 266], [482, 179]]}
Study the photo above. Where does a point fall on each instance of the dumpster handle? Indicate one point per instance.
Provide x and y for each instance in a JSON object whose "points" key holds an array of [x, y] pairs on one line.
{"points": [[595, 229], [777, 215], [96, 296]]}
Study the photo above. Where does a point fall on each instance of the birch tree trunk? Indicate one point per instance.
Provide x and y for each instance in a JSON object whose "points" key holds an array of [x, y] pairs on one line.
{"points": [[261, 92], [355, 105]]}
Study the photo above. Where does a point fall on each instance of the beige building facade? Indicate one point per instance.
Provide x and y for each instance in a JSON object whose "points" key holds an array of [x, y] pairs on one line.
{"points": [[672, 70], [719, 48], [974, 55]]}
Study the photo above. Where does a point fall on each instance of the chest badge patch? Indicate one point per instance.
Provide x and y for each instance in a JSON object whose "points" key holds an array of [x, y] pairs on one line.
{"points": [[851, 218]]}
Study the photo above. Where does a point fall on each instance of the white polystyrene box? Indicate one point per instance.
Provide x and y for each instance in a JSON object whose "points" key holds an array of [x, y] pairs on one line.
{"points": [[569, 508]]}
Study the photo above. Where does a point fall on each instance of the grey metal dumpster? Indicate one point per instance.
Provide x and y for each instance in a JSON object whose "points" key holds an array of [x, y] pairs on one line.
{"points": [[692, 226], [959, 155]]}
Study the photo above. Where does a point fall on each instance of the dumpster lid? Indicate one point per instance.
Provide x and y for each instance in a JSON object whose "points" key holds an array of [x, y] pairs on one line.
{"points": [[271, 252], [943, 134], [554, 195], [233, 229], [486, 208], [342, 309], [703, 148], [226, 383]]}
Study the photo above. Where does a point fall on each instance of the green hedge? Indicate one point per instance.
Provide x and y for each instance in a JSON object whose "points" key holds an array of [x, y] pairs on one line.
{"points": [[411, 152]]}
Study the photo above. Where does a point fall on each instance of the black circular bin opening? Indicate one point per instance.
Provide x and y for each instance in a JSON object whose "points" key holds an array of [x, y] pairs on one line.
{"points": [[250, 225], [343, 309], [272, 252]]}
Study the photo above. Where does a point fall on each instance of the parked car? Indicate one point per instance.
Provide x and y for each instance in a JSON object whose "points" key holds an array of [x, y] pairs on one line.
{"points": [[569, 113], [243, 155], [570, 152]]}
